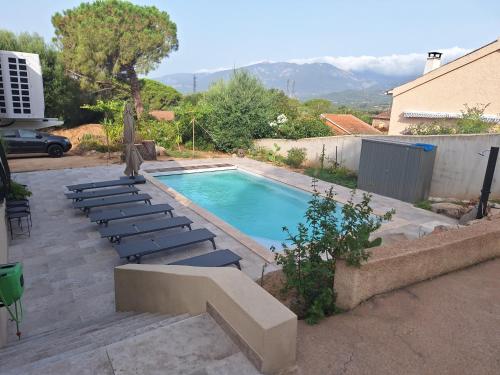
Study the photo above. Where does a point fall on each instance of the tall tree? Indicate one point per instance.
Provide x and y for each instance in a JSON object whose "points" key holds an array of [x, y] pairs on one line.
{"points": [[107, 43]]}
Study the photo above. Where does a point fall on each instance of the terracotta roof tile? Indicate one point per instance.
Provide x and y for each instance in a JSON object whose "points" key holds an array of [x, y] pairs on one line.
{"points": [[348, 124], [386, 115]]}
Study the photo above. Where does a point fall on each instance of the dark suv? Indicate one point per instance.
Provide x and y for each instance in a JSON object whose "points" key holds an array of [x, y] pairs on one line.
{"points": [[27, 141]]}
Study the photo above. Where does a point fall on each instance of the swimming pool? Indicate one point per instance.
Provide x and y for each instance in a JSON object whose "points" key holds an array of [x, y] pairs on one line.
{"points": [[257, 206]]}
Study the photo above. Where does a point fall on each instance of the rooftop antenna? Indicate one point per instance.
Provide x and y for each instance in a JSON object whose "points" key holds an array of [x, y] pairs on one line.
{"points": [[194, 83], [293, 89]]}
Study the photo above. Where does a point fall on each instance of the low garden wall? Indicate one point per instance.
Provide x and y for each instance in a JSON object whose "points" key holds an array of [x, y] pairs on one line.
{"points": [[405, 263], [265, 330], [458, 170]]}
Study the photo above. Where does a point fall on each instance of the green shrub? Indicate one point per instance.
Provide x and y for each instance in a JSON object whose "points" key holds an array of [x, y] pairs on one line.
{"points": [[336, 175], [425, 205], [303, 127], [90, 142], [165, 134], [18, 191], [238, 112], [296, 156], [472, 122], [309, 260]]}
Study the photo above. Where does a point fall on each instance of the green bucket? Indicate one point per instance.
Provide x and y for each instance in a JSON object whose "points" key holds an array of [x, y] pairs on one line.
{"points": [[11, 283]]}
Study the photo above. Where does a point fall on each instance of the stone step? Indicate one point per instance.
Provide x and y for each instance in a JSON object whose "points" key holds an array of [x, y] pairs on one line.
{"points": [[90, 346], [48, 352], [64, 330], [64, 333], [186, 347]]}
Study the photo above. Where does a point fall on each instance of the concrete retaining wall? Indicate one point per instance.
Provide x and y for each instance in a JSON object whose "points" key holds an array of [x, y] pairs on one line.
{"points": [[399, 265], [458, 170], [265, 330], [4, 258]]}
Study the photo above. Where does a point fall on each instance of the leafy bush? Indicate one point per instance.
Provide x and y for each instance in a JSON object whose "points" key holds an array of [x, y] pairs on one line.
{"points": [[296, 156], [157, 96], [90, 142], [165, 134], [310, 261], [303, 127], [239, 111], [336, 175], [316, 107], [471, 122], [18, 191]]}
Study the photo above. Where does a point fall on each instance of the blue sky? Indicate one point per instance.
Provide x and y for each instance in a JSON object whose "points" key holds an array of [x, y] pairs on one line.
{"points": [[383, 35]]}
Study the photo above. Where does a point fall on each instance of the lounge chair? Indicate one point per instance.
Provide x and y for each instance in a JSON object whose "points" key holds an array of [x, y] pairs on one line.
{"points": [[127, 181], [117, 231], [102, 193], [105, 216], [217, 258], [136, 249], [87, 205]]}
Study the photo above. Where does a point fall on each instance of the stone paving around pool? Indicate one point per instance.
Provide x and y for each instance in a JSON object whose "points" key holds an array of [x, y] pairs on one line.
{"points": [[69, 269]]}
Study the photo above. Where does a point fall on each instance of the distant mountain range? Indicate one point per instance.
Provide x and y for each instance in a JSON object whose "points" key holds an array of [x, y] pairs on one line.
{"points": [[305, 81]]}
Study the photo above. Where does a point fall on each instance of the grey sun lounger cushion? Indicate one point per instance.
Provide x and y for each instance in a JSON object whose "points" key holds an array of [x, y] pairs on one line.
{"points": [[117, 231], [104, 216], [86, 205], [127, 181], [136, 249], [102, 193], [217, 258]]}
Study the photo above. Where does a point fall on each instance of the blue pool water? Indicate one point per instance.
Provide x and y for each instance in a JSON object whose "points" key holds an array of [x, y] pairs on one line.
{"points": [[257, 206]]}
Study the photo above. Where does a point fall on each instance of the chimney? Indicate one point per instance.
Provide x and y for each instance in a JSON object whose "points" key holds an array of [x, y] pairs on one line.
{"points": [[433, 61]]}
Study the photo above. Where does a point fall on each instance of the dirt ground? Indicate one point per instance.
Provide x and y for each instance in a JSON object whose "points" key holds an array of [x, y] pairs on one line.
{"points": [[72, 160], [449, 325]]}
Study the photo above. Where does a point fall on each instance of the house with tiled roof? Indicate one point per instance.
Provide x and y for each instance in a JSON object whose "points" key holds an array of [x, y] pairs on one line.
{"points": [[381, 121], [347, 124], [442, 91]]}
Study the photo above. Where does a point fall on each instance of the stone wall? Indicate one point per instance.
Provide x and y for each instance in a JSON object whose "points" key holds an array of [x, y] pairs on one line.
{"points": [[396, 266], [458, 171]]}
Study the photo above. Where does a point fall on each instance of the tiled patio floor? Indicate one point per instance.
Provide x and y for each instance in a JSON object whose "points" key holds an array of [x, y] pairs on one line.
{"points": [[69, 269]]}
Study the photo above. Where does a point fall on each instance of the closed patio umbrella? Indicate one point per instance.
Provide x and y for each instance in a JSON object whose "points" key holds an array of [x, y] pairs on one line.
{"points": [[133, 158]]}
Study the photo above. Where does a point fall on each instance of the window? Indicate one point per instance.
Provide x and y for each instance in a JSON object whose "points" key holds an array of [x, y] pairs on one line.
{"points": [[23, 133], [9, 133]]}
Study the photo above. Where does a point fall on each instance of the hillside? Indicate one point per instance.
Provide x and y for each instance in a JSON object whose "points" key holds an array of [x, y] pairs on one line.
{"points": [[304, 81]]}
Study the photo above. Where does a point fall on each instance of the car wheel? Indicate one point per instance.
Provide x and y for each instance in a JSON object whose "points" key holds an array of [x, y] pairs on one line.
{"points": [[56, 151]]}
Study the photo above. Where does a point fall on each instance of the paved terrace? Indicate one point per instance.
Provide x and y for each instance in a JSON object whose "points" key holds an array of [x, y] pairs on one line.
{"points": [[69, 268]]}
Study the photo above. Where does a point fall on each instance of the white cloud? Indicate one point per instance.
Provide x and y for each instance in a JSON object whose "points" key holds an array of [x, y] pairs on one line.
{"points": [[406, 64]]}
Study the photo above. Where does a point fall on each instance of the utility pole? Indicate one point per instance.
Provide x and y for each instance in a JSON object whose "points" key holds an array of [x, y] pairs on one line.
{"points": [[194, 83]]}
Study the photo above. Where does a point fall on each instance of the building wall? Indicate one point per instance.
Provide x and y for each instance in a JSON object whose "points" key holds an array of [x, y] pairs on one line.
{"points": [[476, 82], [379, 124], [458, 169]]}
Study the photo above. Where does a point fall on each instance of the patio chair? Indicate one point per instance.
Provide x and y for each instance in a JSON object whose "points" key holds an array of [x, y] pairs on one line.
{"points": [[124, 181], [217, 258], [102, 193], [105, 216], [87, 205], [117, 231], [136, 249]]}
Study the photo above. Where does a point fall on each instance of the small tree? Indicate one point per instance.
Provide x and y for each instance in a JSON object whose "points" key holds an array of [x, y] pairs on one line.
{"points": [[107, 43], [331, 232]]}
